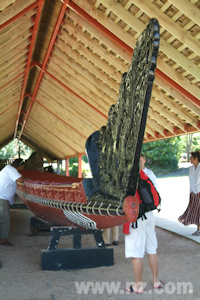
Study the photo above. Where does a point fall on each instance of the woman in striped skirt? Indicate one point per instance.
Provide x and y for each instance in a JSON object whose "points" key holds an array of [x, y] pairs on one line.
{"points": [[192, 213]]}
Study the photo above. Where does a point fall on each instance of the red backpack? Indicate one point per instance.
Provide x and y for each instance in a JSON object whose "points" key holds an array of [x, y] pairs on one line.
{"points": [[147, 192], [148, 197]]}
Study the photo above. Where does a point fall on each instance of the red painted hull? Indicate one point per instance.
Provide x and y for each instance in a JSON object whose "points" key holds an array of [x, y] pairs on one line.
{"points": [[62, 201]]}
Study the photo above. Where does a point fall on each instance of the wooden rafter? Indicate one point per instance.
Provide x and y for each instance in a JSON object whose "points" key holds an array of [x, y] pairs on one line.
{"points": [[59, 78]]}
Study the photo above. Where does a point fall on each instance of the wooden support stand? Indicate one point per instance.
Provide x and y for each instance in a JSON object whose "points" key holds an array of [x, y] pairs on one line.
{"points": [[76, 257], [39, 225]]}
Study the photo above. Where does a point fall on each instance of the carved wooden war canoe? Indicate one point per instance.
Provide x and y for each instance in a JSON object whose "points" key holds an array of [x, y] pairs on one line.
{"points": [[107, 199]]}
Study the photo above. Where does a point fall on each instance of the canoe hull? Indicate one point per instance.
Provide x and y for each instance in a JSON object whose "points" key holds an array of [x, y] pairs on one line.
{"points": [[63, 217], [60, 201]]}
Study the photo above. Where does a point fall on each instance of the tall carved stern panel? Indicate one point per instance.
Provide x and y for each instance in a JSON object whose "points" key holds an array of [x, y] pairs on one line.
{"points": [[114, 151]]}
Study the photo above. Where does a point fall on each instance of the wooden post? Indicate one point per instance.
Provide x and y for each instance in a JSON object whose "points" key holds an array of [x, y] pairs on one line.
{"points": [[58, 166], [67, 166], [79, 166]]}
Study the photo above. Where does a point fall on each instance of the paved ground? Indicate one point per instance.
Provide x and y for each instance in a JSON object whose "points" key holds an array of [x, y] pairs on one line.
{"points": [[21, 277], [183, 170]]}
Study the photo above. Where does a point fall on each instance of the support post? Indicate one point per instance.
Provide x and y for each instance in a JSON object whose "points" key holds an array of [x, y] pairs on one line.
{"points": [[79, 166], [76, 257], [58, 166], [67, 166]]}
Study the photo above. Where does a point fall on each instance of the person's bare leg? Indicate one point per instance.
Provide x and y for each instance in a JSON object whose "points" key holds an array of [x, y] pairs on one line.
{"points": [[197, 232], [153, 262], [138, 268]]}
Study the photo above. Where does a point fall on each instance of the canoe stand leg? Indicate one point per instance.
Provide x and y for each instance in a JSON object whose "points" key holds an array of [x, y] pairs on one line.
{"points": [[76, 257], [38, 225]]}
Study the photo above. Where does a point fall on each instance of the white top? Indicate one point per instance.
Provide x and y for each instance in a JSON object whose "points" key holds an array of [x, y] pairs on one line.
{"points": [[8, 184], [194, 177], [151, 175]]}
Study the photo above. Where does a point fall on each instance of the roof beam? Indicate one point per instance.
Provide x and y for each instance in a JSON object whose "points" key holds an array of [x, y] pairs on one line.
{"points": [[178, 88], [174, 93], [84, 76], [169, 24], [16, 77], [72, 91], [162, 121], [45, 134], [8, 79], [71, 104], [166, 101], [75, 117], [167, 114], [35, 146], [85, 64], [94, 46], [165, 47], [16, 11], [188, 9], [162, 67], [104, 35], [100, 27], [6, 142], [37, 19], [157, 127], [13, 59], [47, 55]]}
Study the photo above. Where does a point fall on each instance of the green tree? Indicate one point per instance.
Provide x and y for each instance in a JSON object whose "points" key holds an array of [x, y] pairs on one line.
{"points": [[15, 149], [73, 166], [163, 155], [190, 142]]}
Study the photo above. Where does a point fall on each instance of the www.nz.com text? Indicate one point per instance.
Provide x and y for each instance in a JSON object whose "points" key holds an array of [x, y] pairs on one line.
{"points": [[117, 288]]}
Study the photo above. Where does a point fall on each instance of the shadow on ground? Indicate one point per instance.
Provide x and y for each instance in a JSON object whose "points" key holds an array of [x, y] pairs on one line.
{"points": [[179, 172]]}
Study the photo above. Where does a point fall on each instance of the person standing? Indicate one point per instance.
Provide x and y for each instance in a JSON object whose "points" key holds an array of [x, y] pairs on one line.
{"points": [[9, 176], [140, 237], [115, 236], [192, 213], [148, 172]]}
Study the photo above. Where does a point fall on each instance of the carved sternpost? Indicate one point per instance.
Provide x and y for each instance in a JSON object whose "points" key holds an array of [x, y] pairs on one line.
{"points": [[116, 148]]}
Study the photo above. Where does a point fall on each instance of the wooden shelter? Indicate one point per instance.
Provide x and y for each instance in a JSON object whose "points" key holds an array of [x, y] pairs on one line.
{"points": [[61, 64]]}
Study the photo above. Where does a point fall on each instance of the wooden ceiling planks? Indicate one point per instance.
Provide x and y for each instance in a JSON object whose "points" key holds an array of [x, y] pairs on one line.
{"points": [[56, 88], [45, 137]]}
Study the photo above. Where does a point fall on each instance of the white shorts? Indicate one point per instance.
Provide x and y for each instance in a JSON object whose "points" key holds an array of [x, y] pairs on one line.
{"points": [[141, 239]]}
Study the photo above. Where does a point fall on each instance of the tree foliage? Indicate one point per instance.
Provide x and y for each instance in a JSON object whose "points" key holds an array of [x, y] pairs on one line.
{"points": [[190, 142], [163, 155], [73, 166], [15, 149]]}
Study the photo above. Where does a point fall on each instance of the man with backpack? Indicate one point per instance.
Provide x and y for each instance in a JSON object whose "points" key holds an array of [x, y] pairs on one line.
{"points": [[140, 237], [148, 172]]}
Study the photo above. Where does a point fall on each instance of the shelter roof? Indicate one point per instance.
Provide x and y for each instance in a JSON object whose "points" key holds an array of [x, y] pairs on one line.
{"points": [[61, 64]]}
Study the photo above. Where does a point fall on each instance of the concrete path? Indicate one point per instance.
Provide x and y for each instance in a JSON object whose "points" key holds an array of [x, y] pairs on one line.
{"points": [[174, 192]]}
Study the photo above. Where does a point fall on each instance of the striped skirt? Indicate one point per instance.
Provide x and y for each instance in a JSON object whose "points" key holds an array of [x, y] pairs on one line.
{"points": [[192, 213]]}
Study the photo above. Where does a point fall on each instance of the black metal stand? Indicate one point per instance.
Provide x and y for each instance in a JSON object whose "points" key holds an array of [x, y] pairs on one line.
{"points": [[77, 257]]}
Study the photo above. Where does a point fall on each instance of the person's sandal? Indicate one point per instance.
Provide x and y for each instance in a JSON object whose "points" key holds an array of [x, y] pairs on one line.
{"points": [[160, 285], [197, 233], [7, 243], [131, 290], [115, 243]]}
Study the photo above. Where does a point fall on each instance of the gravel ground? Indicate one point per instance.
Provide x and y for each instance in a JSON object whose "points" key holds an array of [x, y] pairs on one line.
{"points": [[21, 277]]}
